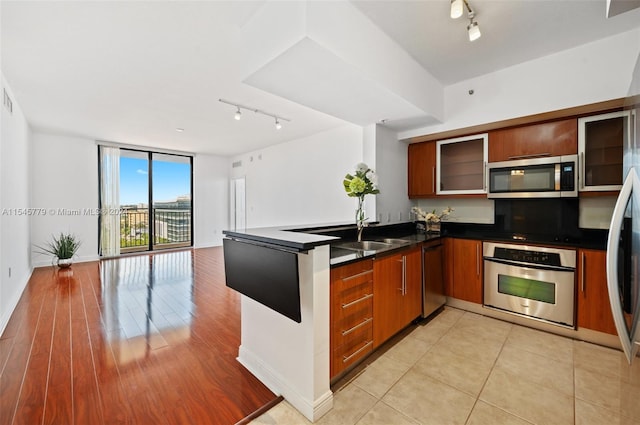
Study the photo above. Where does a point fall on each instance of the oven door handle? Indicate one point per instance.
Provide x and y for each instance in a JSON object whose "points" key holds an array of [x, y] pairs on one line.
{"points": [[530, 265]]}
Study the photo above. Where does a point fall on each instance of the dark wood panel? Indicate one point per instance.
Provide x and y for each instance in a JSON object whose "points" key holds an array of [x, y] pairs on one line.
{"points": [[467, 270], [594, 311], [155, 343], [412, 306], [545, 139], [387, 298], [422, 169]]}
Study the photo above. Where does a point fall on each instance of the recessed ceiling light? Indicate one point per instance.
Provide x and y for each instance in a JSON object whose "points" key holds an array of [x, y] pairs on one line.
{"points": [[179, 130]]}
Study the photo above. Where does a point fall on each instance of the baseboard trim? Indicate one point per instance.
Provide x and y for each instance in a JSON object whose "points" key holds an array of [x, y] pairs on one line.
{"points": [[4, 320], [312, 410]]}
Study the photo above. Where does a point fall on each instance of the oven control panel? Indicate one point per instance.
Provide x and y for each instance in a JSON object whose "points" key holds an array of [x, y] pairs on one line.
{"points": [[528, 256]]}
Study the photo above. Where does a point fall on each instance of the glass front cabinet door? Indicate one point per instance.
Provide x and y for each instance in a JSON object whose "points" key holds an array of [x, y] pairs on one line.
{"points": [[601, 139], [461, 165]]}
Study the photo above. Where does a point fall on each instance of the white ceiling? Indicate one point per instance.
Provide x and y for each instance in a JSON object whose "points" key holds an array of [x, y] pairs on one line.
{"points": [[132, 72]]}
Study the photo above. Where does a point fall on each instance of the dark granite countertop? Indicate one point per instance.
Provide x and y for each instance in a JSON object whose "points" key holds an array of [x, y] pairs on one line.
{"points": [[289, 237], [585, 238], [341, 256], [302, 238]]}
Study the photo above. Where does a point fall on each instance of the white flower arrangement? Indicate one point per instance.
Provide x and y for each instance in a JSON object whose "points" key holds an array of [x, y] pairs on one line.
{"points": [[364, 182], [431, 217]]}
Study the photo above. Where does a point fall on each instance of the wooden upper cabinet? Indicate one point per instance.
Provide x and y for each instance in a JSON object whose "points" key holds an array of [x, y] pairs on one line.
{"points": [[422, 170], [546, 139]]}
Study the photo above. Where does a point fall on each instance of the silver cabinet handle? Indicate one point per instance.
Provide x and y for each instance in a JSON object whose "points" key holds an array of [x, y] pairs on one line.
{"points": [[484, 176], [478, 259], [581, 168], [365, 297], [582, 273], [357, 275], [533, 155], [433, 182], [404, 275], [347, 358], [359, 325]]}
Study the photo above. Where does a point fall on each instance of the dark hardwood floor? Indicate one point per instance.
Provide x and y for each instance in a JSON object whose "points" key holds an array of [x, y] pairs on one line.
{"points": [[149, 339]]}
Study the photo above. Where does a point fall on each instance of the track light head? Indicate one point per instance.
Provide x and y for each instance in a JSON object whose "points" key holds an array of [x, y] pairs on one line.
{"points": [[457, 7], [474, 31], [238, 115], [278, 125]]}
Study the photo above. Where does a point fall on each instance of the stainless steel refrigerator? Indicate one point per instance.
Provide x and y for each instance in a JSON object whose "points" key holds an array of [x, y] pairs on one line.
{"points": [[623, 245]]}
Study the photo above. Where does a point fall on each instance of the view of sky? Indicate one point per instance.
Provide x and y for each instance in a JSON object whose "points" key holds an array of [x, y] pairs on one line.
{"points": [[170, 180]]}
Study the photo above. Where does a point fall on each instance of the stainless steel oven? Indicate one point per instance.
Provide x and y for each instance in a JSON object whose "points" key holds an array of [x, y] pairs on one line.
{"points": [[538, 282]]}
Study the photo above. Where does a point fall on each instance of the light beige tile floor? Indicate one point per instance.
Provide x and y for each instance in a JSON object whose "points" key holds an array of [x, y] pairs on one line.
{"points": [[468, 369]]}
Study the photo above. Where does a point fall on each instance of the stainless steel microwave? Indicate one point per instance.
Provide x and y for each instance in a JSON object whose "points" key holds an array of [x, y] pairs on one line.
{"points": [[548, 177]]}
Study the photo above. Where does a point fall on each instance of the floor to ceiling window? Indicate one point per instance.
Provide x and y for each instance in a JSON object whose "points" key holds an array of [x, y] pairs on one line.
{"points": [[154, 201]]}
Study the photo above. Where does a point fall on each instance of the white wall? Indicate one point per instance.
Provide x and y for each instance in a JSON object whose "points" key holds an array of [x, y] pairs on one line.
{"points": [[392, 204], [65, 177], [300, 182], [590, 73], [210, 199], [15, 245]]}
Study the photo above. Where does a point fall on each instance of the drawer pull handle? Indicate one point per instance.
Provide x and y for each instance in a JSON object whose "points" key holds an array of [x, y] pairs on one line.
{"points": [[357, 275], [360, 350], [359, 325], [533, 155], [366, 297]]}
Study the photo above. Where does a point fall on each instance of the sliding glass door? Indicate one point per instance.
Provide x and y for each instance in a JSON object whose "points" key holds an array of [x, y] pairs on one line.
{"points": [[171, 201], [155, 193], [134, 201]]}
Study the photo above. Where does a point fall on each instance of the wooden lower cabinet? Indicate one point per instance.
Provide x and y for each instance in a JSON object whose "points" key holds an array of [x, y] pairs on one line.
{"points": [[351, 314], [397, 292], [466, 269], [594, 310]]}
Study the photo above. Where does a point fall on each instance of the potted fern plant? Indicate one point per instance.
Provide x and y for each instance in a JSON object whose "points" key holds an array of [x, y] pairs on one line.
{"points": [[63, 248]]}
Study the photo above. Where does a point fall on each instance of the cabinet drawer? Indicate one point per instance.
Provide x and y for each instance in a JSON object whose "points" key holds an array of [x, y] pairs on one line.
{"points": [[348, 296], [351, 270], [353, 322], [356, 348]]}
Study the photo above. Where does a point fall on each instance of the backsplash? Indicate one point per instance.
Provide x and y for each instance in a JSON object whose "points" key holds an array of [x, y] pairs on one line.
{"points": [[467, 210], [594, 212]]}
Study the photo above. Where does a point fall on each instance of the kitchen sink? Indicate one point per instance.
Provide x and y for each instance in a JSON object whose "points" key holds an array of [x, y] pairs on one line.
{"points": [[365, 245], [395, 241]]}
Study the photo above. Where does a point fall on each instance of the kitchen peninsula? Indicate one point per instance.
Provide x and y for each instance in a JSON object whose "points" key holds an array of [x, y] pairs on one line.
{"points": [[285, 329]]}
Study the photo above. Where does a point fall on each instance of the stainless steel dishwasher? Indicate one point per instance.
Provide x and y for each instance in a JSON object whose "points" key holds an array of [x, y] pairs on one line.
{"points": [[433, 296]]}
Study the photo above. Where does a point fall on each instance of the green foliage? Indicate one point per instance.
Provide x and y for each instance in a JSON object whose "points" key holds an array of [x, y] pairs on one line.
{"points": [[63, 247], [363, 182]]}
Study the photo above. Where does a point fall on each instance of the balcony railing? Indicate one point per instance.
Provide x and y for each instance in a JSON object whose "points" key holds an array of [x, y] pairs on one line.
{"points": [[171, 227]]}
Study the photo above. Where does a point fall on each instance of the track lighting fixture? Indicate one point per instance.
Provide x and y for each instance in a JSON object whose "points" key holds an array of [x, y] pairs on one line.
{"points": [[457, 9], [238, 113], [474, 30]]}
